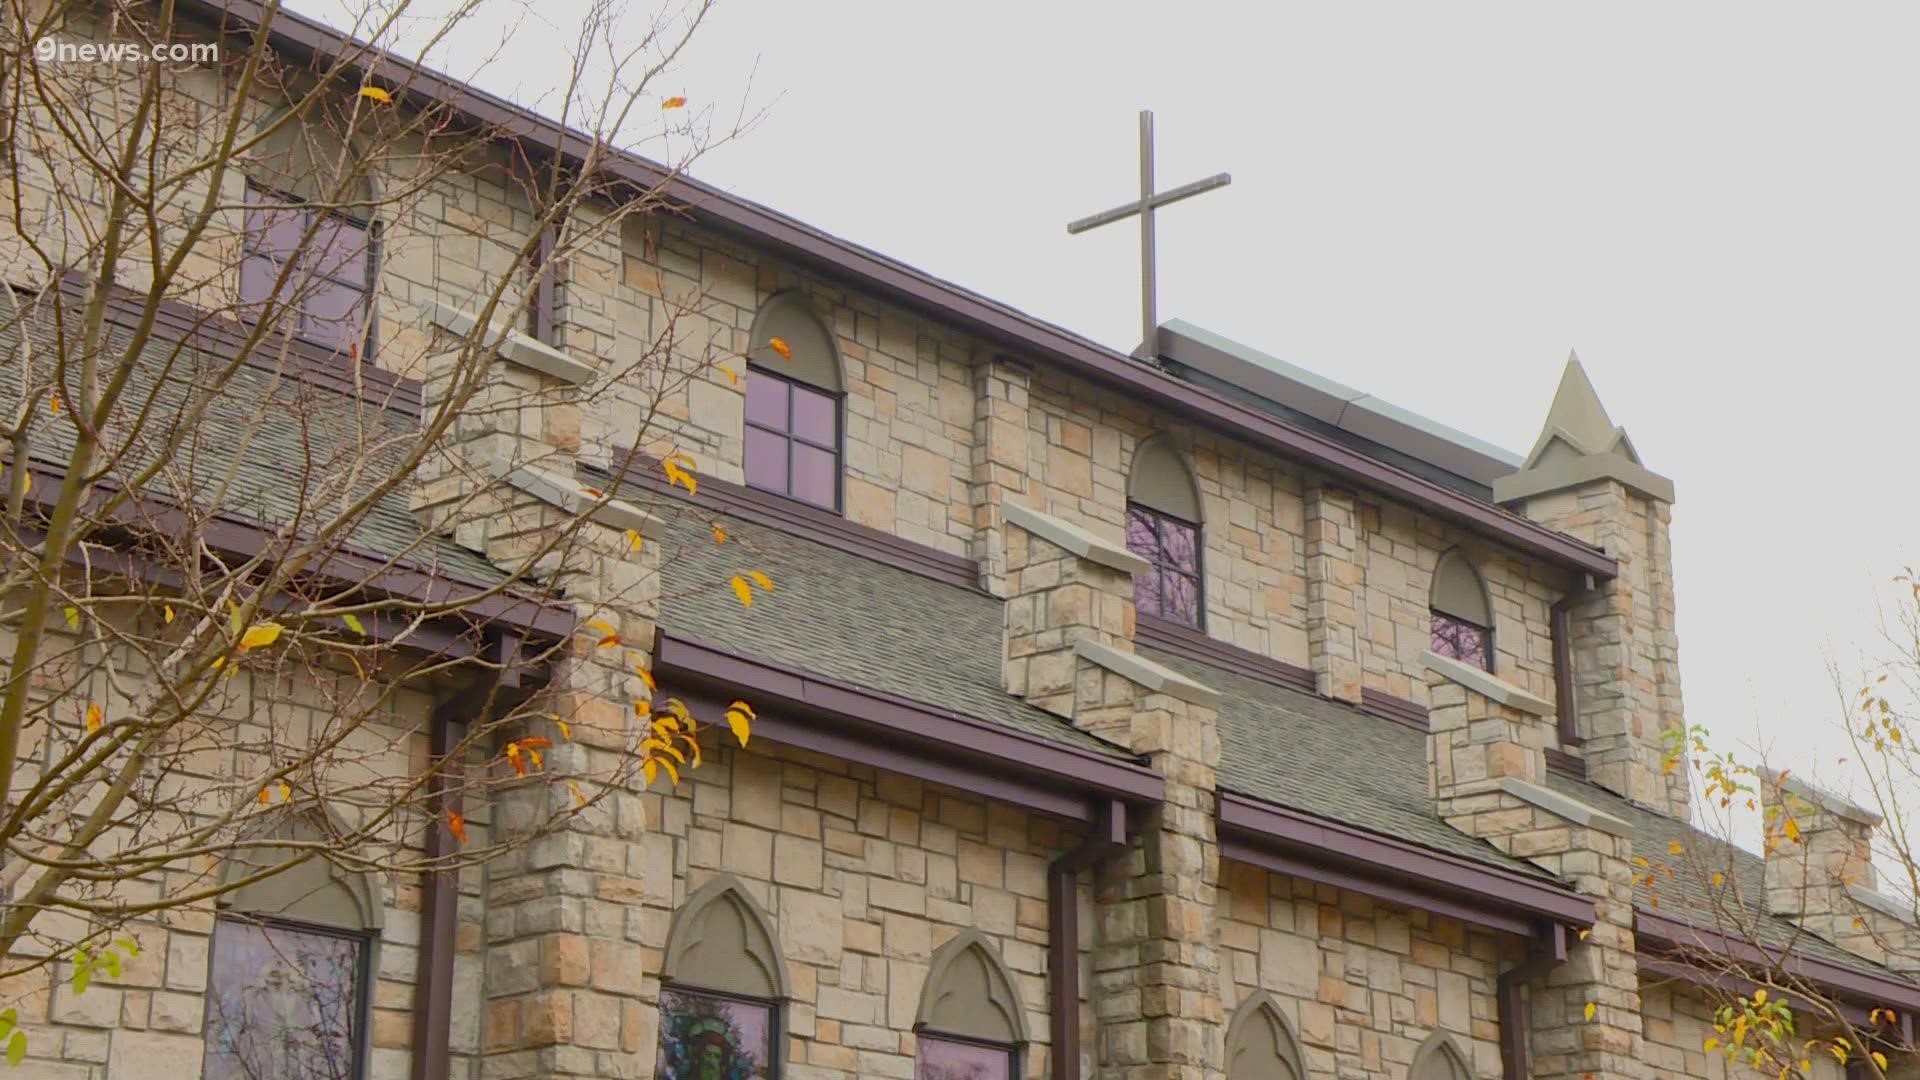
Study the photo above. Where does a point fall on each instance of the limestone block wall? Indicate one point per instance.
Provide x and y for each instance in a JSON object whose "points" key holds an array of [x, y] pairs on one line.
{"points": [[1679, 1021], [863, 874], [1363, 983]]}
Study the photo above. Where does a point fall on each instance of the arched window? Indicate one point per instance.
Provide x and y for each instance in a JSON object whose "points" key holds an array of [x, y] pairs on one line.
{"points": [[1439, 1059], [794, 390], [1163, 527], [970, 1022], [1462, 617], [1260, 1045], [290, 962], [308, 241], [722, 984]]}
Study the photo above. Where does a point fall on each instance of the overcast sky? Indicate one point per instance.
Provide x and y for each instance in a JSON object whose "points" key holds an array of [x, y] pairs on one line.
{"points": [[1714, 203]]}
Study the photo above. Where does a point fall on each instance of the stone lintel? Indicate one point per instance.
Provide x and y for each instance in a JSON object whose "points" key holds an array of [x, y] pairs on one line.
{"points": [[1562, 474], [1891, 906], [1073, 538], [1820, 797], [514, 346], [1486, 685], [1156, 678], [569, 495], [1560, 805]]}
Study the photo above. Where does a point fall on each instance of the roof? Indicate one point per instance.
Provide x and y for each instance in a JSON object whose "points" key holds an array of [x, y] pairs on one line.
{"points": [[285, 442], [1687, 894], [844, 617], [1329, 759]]}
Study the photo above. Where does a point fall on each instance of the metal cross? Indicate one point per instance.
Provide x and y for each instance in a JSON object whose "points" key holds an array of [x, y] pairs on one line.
{"points": [[1149, 201]]}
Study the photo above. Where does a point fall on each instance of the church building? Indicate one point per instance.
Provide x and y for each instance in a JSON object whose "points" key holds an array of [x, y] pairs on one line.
{"points": [[1176, 714]]}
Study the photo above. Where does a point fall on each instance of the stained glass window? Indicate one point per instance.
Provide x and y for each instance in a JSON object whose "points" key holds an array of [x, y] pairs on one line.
{"points": [[709, 1037], [1169, 589], [793, 439], [328, 287], [284, 1002], [1463, 641], [954, 1059]]}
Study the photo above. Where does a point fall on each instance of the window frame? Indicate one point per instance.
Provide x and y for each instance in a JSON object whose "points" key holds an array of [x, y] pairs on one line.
{"points": [[1012, 1050], [363, 1009], [367, 226], [1485, 663], [776, 1022], [838, 449], [1199, 575]]}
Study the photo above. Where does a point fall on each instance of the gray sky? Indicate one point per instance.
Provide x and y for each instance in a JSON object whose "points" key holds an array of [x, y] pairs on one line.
{"points": [[1714, 203]]}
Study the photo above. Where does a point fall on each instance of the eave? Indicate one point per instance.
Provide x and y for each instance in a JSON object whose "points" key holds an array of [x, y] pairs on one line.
{"points": [[1659, 938], [916, 289]]}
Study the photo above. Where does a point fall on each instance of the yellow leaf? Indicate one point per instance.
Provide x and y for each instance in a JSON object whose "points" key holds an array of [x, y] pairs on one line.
{"points": [[634, 539], [1591, 1008], [1586, 932], [1710, 1044], [761, 580], [731, 376], [354, 624], [260, 635], [166, 613], [286, 792], [94, 718], [745, 708], [719, 535], [646, 677], [742, 590], [1793, 830], [374, 93], [566, 729], [574, 788], [1718, 879], [1760, 996], [672, 773], [648, 769], [1839, 1052], [72, 615], [780, 346], [741, 725], [1674, 848], [1879, 1059], [674, 102]]}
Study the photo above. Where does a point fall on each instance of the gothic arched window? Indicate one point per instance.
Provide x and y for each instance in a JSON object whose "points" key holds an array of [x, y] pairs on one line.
{"points": [[290, 961], [1462, 617], [794, 392], [1439, 1059], [1260, 1045], [1163, 527], [722, 985], [970, 1022]]}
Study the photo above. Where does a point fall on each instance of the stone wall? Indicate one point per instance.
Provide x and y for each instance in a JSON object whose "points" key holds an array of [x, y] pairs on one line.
{"points": [[1678, 1024], [1362, 982], [864, 874]]}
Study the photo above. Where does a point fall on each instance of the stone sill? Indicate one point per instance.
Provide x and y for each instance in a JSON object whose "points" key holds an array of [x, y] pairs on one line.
{"points": [[1074, 539], [575, 498], [515, 347], [1485, 684], [1561, 806], [1144, 672]]}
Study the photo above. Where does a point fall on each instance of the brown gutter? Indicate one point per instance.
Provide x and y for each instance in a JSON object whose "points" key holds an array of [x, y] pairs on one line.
{"points": [[1543, 955], [1669, 935], [1319, 849], [1107, 839], [939, 299], [827, 716], [439, 903]]}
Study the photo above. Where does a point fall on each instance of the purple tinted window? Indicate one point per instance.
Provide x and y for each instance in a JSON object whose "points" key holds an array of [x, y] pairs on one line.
{"points": [[1461, 640], [282, 1002], [1171, 588], [766, 400], [950, 1059], [766, 460], [814, 414], [793, 439], [326, 289]]}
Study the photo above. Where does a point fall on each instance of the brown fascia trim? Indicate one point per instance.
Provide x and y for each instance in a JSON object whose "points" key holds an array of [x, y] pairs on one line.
{"points": [[232, 535], [1399, 710], [868, 270], [809, 522], [1659, 967], [176, 321], [1151, 630], [830, 717], [1669, 936], [1315, 848]]}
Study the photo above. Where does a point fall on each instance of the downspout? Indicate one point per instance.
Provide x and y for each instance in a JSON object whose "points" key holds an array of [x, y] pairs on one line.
{"points": [[1543, 955], [1108, 838], [439, 902], [1566, 705]]}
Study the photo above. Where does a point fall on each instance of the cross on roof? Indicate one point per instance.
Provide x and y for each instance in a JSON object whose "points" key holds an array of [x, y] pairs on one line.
{"points": [[1149, 201]]}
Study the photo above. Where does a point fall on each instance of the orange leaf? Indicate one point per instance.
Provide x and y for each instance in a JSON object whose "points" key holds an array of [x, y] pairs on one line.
{"points": [[761, 580], [513, 758], [578, 799], [457, 825], [780, 346], [94, 718], [719, 535], [535, 742], [674, 102], [266, 796], [55, 404], [646, 677]]}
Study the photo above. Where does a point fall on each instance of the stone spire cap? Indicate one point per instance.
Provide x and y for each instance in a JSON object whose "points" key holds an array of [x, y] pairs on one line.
{"points": [[1579, 444], [1820, 797]]}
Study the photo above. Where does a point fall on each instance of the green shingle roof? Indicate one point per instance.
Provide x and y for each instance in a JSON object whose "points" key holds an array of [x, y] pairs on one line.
{"points": [[285, 443]]}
